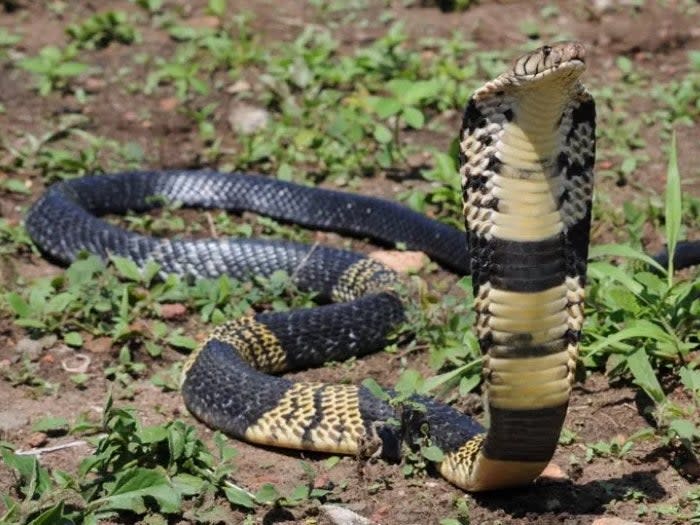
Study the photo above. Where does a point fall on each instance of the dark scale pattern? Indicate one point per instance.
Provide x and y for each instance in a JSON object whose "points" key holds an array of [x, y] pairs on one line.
{"points": [[518, 266], [226, 393], [472, 119], [584, 112], [448, 428], [524, 435], [335, 332], [576, 244], [68, 207]]}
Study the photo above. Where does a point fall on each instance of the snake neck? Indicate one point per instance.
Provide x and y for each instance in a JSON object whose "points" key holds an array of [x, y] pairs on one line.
{"points": [[528, 298], [529, 142]]}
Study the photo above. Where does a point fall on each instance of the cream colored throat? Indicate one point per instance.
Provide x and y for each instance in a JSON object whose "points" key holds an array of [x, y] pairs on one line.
{"points": [[527, 187], [530, 140]]}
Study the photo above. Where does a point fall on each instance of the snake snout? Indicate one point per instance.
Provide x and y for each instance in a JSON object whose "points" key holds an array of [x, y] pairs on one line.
{"points": [[567, 52]]}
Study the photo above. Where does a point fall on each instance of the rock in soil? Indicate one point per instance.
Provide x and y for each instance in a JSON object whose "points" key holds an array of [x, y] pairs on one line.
{"points": [[37, 439], [247, 119], [402, 262], [337, 515], [614, 521], [12, 420]]}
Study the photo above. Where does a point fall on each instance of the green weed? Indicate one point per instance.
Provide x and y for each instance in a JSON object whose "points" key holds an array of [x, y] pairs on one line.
{"points": [[101, 29], [54, 68]]}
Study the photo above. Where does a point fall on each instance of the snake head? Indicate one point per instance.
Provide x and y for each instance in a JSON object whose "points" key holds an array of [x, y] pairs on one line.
{"points": [[556, 66], [544, 61]]}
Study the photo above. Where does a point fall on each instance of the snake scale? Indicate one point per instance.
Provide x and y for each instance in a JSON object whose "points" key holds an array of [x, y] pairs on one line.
{"points": [[527, 149]]}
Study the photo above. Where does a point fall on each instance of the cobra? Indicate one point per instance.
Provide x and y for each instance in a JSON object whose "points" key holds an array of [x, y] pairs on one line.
{"points": [[527, 153]]}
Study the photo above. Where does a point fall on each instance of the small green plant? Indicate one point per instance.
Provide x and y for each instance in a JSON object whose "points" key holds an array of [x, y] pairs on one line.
{"points": [[401, 106], [101, 29], [136, 470], [646, 322], [13, 238], [443, 194], [7, 39], [152, 6], [618, 447], [54, 68]]}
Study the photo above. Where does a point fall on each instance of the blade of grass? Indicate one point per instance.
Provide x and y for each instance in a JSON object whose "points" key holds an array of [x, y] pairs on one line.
{"points": [[644, 376], [673, 206], [622, 250]]}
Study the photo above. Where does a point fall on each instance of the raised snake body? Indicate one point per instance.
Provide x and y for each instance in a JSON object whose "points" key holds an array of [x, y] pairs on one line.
{"points": [[527, 151]]}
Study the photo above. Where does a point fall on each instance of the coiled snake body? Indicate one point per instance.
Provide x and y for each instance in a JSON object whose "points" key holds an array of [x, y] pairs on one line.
{"points": [[527, 153]]}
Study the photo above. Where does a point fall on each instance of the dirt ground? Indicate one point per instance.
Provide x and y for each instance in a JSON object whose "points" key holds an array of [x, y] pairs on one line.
{"points": [[655, 36]]}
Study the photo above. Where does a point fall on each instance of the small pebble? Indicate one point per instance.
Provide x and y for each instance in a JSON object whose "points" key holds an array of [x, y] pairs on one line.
{"points": [[12, 420], [31, 348], [173, 311], [614, 521], [246, 119], [341, 516], [554, 471], [37, 439], [403, 262]]}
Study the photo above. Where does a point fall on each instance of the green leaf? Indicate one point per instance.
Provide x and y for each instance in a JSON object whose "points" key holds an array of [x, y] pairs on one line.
{"points": [[412, 92], [690, 379], [673, 206], [35, 479], [623, 299], [50, 424], [16, 186], [59, 302], [267, 494], [126, 268], [467, 384], [53, 516], [694, 58], [153, 434], [375, 389], [73, 339], [433, 453], [382, 134], [69, 69], [239, 497], [331, 462], [180, 33], [18, 304], [600, 270], [132, 486], [644, 376], [638, 329], [683, 428], [433, 382], [622, 250], [385, 106], [409, 382], [187, 484], [217, 7], [413, 117], [181, 341], [299, 493]]}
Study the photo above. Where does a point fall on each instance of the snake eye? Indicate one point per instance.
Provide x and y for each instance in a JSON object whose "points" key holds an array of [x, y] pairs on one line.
{"points": [[546, 50]]}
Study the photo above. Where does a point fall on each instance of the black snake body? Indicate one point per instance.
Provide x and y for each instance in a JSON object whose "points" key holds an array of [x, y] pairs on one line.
{"points": [[527, 151]]}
